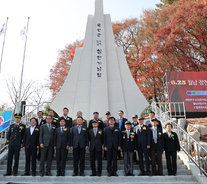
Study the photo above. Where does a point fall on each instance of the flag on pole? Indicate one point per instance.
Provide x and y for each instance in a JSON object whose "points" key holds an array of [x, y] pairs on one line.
{"points": [[3, 29], [23, 33]]}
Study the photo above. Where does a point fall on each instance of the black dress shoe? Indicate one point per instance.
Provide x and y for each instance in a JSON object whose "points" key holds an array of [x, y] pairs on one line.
{"points": [[130, 174], [63, 174], [109, 174], [75, 174], [126, 174], [99, 174], [58, 174], [93, 174], [41, 174], [7, 174], [25, 174], [148, 173], [33, 174], [115, 174], [48, 174], [14, 174], [82, 174], [141, 174]]}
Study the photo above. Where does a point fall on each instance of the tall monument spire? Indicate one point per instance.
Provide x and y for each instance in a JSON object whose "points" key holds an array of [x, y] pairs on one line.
{"points": [[99, 78], [99, 7]]}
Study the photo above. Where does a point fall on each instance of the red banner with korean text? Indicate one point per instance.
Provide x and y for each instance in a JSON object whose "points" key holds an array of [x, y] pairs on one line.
{"points": [[190, 88]]}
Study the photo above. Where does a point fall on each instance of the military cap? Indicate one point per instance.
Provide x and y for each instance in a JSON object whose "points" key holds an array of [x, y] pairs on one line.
{"points": [[134, 116], [141, 118], [18, 115], [155, 119], [95, 121], [108, 113], [128, 123]]}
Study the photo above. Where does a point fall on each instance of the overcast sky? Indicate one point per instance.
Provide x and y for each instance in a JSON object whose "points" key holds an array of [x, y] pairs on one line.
{"points": [[53, 24]]}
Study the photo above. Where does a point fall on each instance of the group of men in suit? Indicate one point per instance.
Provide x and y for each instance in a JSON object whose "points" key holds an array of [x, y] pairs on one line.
{"points": [[116, 137]]}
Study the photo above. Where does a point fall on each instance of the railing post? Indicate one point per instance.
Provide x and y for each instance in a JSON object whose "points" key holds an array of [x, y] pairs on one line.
{"points": [[199, 159]]}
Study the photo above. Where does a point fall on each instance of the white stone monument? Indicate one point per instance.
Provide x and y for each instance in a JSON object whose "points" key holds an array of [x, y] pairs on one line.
{"points": [[99, 78]]}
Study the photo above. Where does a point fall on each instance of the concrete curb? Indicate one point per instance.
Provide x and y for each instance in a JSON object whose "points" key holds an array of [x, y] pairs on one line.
{"points": [[191, 166]]}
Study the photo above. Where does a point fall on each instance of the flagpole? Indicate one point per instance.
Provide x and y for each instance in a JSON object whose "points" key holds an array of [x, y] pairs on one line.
{"points": [[2, 51], [18, 104]]}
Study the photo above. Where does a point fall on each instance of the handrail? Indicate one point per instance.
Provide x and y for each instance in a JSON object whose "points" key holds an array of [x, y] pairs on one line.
{"points": [[187, 144], [192, 148]]}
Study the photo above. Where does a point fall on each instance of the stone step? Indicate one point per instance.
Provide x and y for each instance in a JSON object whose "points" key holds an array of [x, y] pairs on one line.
{"points": [[101, 180], [104, 172], [87, 166], [87, 161]]}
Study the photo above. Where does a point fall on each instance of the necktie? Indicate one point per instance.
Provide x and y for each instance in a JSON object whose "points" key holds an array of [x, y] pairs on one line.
{"points": [[79, 130], [140, 129], [128, 134], [61, 130], [95, 132], [155, 135], [120, 121], [49, 127]]}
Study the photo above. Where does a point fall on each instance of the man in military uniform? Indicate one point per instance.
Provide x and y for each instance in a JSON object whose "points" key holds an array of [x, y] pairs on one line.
{"points": [[128, 146], [100, 122], [54, 120], [106, 122], [96, 138], [14, 143], [112, 145], [79, 114], [135, 122], [68, 120]]}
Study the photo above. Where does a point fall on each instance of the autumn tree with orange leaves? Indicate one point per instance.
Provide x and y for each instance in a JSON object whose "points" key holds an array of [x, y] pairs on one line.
{"points": [[170, 38]]}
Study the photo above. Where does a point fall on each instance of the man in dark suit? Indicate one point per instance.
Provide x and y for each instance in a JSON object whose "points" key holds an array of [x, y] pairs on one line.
{"points": [[31, 144], [112, 145], [79, 144], [61, 145], [128, 146], [96, 138], [100, 122], [79, 114], [143, 144], [46, 140], [156, 148], [54, 120], [149, 122], [120, 122], [14, 143], [40, 120], [68, 120], [171, 146]]}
